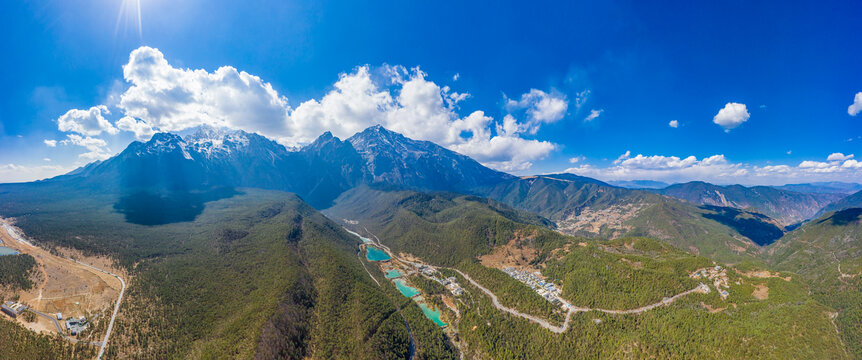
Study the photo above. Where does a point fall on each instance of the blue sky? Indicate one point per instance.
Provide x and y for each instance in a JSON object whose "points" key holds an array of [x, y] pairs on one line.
{"points": [[551, 86]]}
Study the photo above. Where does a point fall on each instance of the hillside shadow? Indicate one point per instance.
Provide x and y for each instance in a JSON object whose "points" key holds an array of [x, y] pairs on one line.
{"points": [[844, 217], [751, 225], [152, 208]]}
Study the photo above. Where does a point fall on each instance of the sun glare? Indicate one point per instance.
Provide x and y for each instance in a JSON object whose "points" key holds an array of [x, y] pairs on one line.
{"points": [[129, 16]]}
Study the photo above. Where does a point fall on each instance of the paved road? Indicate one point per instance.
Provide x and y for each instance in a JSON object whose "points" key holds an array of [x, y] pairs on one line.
{"points": [[116, 307], [574, 309]]}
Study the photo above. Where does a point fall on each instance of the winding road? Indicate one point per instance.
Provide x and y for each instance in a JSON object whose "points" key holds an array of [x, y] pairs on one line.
{"points": [[702, 288]]}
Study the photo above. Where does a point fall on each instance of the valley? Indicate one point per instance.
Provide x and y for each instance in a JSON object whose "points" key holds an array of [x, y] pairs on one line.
{"points": [[408, 250]]}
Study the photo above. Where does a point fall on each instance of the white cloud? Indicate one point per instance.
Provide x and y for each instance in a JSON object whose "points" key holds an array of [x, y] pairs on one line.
{"points": [[162, 97], [673, 123], [96, 148], [50, 143], [46, 159], [456, 76], [718, 169], [593, 115], [856, 107], [142, 130], [731, 116], [172, 99], [839, 157], [622, 157], [540, 108], [576, 159], [89, 122]]}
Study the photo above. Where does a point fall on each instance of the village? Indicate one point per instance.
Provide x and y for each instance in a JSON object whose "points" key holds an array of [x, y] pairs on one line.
{"points": [[718, 276], [545, 289]]}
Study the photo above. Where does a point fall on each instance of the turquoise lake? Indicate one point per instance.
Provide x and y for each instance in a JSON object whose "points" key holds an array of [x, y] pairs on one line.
{"points": [[432, 314], [405, 289], [375, 254], [391, 274], [7, 251]]}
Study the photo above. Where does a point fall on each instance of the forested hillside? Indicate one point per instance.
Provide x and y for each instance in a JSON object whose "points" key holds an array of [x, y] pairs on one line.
{"points": [[254, 275], [786, 206], [827, 252], [627, 273], [588, 207]]}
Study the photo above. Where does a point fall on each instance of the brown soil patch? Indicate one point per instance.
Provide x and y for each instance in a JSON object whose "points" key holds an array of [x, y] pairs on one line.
{"points": [[450, 303], [763, 274], [761, 292], [711, 309], [66, 286], [514, 254]]}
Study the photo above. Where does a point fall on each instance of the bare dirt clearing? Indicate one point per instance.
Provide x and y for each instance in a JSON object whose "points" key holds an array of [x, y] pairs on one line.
{"points": [[761, 292], [513, 254], [67, 287]]}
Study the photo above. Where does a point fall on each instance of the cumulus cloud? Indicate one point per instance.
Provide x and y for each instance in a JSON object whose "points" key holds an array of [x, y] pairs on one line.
{"points": [[89, 122], [673, 123], [50, 143], [731, 116], [576, 159], [142, 130], [593, 114], [173, 99], [161, 97], [540, 108], [856, 107], [839, 157], [718, 169]]}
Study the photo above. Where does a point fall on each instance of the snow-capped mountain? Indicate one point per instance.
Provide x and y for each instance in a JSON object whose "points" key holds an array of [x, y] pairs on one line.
{"points": [[392, 158], [210, 157]]}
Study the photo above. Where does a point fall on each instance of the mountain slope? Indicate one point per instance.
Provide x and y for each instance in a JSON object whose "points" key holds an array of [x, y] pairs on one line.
{"points": [[789, 207], [318, 172], [394, 159], [823, 187], [851, 201], [480, 238], [827, 252], [258, 274], [588, 207]]}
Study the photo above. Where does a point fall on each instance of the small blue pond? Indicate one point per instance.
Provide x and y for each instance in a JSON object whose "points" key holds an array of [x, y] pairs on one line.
{"points": [[405, 289], [375, 254], [7, 251], [432, 314], [391, 274]]}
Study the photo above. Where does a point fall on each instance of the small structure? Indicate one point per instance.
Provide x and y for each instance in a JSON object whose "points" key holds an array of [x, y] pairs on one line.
{"points": [[13, 309], [59, 316], [76, 326]]}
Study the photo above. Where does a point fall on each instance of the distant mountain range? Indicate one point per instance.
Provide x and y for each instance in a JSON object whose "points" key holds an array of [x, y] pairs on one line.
{"points": [[823, 187], [789, 207]]}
